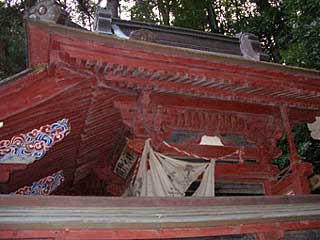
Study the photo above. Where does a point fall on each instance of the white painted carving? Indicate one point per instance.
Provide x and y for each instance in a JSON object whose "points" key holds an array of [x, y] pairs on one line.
{"points": [[211, 141], [315, 129]]}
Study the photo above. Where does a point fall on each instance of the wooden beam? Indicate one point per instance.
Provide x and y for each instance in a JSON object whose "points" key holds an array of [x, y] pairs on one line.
{"points": [[251, 173], [153, 218], [20, 201], [170, 100], [166, 233]]}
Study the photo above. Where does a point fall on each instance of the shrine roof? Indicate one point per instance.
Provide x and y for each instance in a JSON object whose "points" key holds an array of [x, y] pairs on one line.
{"points": [[222, 54], [88, 77], [220, 75], [179, 37]]}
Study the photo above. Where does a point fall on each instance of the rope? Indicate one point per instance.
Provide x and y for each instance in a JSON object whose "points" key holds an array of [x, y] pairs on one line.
{"points": [[201, 157], [240, 155], [240, 152]]}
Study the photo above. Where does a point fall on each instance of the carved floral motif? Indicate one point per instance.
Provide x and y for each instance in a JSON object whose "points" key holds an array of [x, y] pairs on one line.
{"points": [[44, 186], [32, 146], [254, 127]]}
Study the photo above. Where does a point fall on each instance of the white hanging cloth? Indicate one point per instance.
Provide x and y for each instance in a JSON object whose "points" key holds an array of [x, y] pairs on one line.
{"points": [[181, 173], [167, 176], [154, 181], [206, 188]]}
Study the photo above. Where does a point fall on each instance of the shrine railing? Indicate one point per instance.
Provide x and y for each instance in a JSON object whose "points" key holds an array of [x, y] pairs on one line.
{"points": [[57, 217]]}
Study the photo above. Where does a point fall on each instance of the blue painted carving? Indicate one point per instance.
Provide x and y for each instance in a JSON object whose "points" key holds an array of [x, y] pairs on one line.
{"points": [[32, 146], [44, 186]]}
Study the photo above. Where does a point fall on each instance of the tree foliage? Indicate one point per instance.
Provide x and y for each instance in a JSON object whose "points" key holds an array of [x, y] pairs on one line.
{"points": [[288, 29], [307, 148], [143, 11], [301, 44], [191, 14], [12, 40]]}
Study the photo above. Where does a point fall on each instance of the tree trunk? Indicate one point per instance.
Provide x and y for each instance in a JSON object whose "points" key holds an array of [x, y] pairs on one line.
{"points": [[212, 18], [164, 8], [114, 6]]}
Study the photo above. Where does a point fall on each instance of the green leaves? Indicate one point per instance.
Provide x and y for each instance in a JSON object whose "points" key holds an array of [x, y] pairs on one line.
{"points": [[191, 14], [303, 41], [307, 148], [12, 40], [144, 11]]}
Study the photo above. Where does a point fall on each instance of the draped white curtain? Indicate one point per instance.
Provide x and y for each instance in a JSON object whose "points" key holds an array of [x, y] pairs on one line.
{"points": [[162, 176], [206, 188]]}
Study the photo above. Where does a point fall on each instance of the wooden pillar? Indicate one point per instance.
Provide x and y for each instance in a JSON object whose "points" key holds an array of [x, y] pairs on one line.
{"points": [[270, 185], [300, 171], [294, 156]]}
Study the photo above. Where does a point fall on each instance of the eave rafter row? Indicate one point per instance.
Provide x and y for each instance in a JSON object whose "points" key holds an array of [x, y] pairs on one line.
{"points": [[191, 83]]}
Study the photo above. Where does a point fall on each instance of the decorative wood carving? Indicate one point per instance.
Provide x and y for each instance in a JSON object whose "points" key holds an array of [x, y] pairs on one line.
{"points": [[22, 150], [32, 146], [44, 186], [161, 122]]}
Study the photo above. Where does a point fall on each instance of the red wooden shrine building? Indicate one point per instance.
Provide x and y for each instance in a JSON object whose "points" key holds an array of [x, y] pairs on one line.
{"points": [[88, 102]]}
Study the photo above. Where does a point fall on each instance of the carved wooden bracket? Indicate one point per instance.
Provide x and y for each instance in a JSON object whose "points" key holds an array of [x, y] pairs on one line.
{"points": [[147, 119], [139, 115]]}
